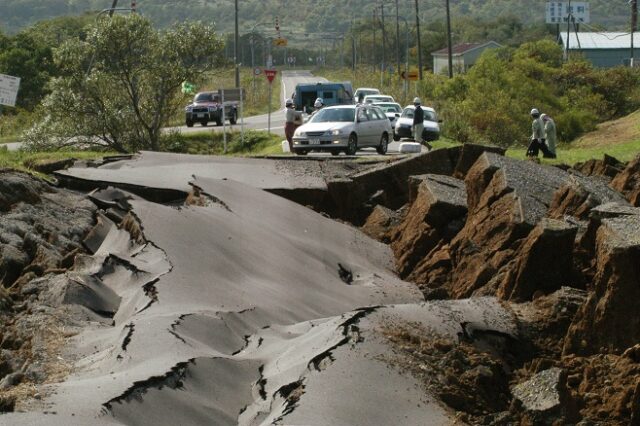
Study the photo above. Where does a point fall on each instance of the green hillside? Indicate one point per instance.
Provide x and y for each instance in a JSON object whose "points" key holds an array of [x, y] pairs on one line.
{"points": [[299, 16]]}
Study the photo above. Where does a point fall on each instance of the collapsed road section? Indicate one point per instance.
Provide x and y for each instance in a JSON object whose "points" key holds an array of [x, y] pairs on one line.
{"points": [[201, 298]]}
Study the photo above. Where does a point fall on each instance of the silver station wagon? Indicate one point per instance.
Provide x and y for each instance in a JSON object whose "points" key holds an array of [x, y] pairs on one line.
{"points": [[344, 128]]}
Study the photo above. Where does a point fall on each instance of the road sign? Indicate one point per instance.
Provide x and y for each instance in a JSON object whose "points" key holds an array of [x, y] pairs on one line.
{"points": [[9, 86], [409, 75], [280, 42], [557, 12], [271, 74], [257, 71], [234, 94]]}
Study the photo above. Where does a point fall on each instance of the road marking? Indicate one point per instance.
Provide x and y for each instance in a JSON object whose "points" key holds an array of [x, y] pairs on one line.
{"points": [[272, 128]]}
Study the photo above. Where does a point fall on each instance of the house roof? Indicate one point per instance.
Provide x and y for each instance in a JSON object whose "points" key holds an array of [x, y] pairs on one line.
{"points": [[599, 40], [462, 48]]}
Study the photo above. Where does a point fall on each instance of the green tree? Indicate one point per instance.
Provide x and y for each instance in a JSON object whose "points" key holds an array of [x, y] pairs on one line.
{"points": [[120, 86]]}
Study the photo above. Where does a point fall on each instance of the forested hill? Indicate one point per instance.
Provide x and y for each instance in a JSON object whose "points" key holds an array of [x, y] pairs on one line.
{"points": [[300, 15]]}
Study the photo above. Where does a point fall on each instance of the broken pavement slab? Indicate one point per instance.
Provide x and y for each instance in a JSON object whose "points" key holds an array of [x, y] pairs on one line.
{"points": [[436, 214], [544, 396], [174, 171], [608, 321]]}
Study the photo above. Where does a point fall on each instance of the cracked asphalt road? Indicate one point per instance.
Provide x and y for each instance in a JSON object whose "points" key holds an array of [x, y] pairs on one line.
{"points": [[234, 312]]}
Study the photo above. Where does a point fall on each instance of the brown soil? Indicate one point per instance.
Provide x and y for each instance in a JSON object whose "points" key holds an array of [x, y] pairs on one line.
{"points": [[467, 380]]}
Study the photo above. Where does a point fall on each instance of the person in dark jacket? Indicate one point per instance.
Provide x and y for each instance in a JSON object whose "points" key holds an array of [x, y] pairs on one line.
{"points": [[418, 123]]}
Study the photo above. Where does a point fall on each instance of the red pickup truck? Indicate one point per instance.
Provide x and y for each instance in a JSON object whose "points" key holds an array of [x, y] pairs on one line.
{"points": [[207, 106]]}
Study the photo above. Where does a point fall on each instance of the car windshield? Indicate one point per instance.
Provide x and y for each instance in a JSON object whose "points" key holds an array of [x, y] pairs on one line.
{"points": [[334, 114], [389, 107], [428, 115], [206, 97]]}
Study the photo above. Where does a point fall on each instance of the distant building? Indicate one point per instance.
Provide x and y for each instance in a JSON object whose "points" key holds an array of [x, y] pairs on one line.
{"points": [[464, 55], [603, 50]]}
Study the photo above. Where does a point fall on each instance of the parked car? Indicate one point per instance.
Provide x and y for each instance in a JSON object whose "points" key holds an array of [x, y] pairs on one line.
{"points": [[344, 128], [392, 111], [331, 94], [206, 107], [405, 122], [370, 99], [361, 92]]}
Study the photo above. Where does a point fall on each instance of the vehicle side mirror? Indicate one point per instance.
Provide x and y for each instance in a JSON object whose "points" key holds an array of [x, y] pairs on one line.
{"points": [[397, 115], [440, 120]]}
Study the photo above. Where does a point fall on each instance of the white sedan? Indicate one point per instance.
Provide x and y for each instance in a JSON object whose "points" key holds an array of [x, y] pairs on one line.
{"points": [[344, 128], [392, 110], [404, 124], [370, 99]]}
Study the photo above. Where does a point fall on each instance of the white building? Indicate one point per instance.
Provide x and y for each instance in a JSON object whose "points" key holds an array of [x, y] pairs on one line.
{"points": [[464, 55]]}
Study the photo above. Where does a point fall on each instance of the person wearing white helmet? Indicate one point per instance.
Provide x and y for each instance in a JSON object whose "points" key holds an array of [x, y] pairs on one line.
{"points": [[418, 122], [292, 120], [550, 136], [537, 135]]}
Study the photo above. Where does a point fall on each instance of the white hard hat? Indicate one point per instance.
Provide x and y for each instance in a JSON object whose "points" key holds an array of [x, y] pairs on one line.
{"points": [[288, 102], [535, 112], [318, 103], [417, 101]]}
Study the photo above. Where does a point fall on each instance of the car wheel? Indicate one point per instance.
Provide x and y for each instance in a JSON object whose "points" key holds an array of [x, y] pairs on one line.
{"points": [[384, 142], [396, 137], [352, 145], [218, 122], [302, 152], [204, 123], [335, 152], [189, 123], [233, 119]]}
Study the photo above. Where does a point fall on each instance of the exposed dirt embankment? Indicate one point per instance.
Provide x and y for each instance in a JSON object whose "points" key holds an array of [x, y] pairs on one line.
{"points": [[544, 238], [41, 232]]}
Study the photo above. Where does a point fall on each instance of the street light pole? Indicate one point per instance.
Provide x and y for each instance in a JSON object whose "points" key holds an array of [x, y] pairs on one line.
{"points": [[419, 42], [235, 47], [449, 47]]}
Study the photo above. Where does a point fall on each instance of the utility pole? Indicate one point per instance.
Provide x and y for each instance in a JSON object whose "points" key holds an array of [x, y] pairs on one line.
{"points": [[375, 46], [353, 49], [568, 29], [419, 42], [634, 24], [449, 47], [384, 40], [235, 48], [397, 40]]}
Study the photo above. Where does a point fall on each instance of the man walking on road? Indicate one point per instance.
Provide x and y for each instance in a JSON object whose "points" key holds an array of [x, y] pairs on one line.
{"points": [[418, 123]]}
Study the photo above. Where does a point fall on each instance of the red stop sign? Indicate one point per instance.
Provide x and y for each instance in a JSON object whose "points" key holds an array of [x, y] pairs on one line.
{"points": [[270, 74]]}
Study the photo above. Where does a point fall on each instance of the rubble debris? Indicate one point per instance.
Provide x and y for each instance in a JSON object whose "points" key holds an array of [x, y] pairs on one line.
{"points": [[436, 215], [608, 167], [628, 182]]}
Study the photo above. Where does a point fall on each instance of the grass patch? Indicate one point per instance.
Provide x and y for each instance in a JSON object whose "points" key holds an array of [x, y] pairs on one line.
{"points": [[212, 143], [570, 154], [23, 161]]}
